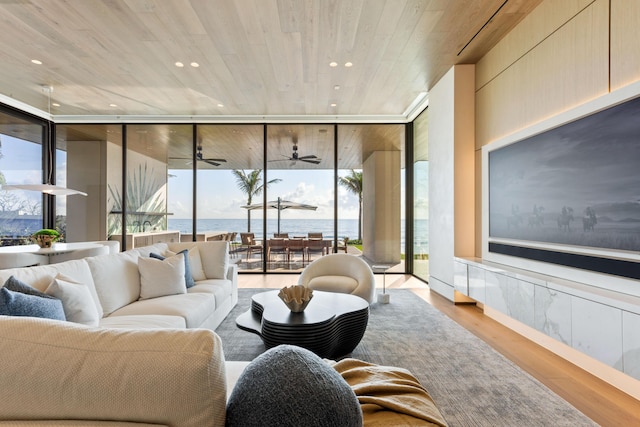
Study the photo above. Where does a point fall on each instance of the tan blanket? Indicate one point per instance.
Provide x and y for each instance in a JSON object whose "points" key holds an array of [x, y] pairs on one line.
{"points": [[389, 396]]}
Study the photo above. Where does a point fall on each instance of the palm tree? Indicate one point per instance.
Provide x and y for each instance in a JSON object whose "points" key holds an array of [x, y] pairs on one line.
{"points": [[353, 183], [250, 184]]}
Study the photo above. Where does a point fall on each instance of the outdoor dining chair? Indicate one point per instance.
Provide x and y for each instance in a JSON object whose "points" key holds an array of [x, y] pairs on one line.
{"points": [[278, 246], [248, 242], [297, 245]]}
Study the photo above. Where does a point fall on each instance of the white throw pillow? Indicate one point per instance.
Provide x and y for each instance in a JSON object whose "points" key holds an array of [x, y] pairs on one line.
{"points": [[77, 302], [197, 272], [161, 277]]}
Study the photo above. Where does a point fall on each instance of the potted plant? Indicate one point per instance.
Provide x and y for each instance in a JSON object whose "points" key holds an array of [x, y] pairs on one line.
{"points": [[45, 237]]}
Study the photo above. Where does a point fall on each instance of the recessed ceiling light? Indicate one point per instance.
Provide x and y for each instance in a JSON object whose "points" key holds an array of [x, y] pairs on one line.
{"points": [[36, 61], [179, 64], [336, 87], [348, 64], [333, 64], [334, 105], [55, 104], [195, 64], [220, 105], [112, 105]]}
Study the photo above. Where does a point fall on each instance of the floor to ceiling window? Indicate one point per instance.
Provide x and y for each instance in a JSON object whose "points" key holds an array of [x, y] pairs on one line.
{"points": [[20, 163], [210, 182], [370, 168], [300, 195], [180, 166], [421, 197], [87, 157]]}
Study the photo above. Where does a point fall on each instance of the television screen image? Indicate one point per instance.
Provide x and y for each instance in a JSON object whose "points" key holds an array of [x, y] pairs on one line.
{"points": [[576, 185]]}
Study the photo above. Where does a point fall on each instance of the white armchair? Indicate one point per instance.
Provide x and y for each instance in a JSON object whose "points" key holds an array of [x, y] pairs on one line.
{"points": [[344, 273]]}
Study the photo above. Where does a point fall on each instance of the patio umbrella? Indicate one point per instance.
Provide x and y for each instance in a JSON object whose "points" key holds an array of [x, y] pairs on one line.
{"points": [[281, 205]]}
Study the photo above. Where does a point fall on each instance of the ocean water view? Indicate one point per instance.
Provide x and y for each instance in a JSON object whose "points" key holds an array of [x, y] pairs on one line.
{"points": [[13, 228], [346, 227]]}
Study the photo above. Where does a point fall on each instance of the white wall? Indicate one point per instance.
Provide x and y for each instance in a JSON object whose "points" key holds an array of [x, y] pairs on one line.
{"points": [[451, 175]]}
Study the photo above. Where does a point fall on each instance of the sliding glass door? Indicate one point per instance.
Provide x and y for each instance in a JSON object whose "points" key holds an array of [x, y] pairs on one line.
{"points": [[21, 143]]}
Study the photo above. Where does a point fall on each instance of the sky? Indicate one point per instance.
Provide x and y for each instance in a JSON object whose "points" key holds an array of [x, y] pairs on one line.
{"points": [[218, 192], [220, 197]]}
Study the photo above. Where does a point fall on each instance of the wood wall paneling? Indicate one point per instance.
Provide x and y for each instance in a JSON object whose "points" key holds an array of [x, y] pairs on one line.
{"points": [[625, 55], [566, 69], [532, 30]]}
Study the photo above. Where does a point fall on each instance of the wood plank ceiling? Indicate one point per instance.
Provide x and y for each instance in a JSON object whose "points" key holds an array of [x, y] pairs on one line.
{"points": [[256, 57], [258, 61]]}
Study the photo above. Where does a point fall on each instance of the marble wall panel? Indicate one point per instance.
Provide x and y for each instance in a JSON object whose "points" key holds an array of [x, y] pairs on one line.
{"points": [[631, 344], [552, 313], [476, 283], [460, 279], [521, 297], [497, 290], [597, 331]]}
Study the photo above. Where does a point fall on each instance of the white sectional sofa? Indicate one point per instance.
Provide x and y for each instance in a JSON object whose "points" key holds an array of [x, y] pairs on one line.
{"points": [[114, 282], [152, 361], [156, 361]]}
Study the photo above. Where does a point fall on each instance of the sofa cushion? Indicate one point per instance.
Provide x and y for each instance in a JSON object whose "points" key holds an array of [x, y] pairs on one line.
{"points": [[19, 299], [195, 309], [76, 298], [145, 251], [215, 259], [40, 277], [213, 255], [221, 288], [116, 278], [146, 321], [291, 386], [188, 277], [161, 277], [161, 376], [197, 272]]}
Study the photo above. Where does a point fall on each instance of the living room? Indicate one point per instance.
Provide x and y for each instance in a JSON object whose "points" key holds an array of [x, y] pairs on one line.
{"points": [[559, 63]]}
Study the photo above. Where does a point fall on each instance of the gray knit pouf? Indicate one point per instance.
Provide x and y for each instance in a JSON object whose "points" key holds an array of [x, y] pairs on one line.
{"points": [[291, 386]]}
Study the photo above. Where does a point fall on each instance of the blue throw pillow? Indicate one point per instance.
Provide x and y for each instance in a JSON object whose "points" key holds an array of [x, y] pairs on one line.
{"points": [[291, 386], [31, 303], [188, 278], [18, 285]]}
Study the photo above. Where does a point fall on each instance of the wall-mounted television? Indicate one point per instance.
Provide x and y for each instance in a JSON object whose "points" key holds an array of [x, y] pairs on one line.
{"points": [[570, 195]]}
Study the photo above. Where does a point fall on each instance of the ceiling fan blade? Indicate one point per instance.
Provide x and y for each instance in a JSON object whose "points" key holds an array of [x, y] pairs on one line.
{"points": [[311, 156], [315, 162], [211, 162], [215, 160]]}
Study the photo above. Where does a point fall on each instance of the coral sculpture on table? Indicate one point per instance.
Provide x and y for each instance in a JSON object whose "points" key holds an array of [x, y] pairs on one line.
{"points": [[296, 297]]}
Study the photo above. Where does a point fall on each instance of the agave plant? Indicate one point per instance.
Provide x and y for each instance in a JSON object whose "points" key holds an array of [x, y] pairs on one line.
{"points": [[144, 197]]}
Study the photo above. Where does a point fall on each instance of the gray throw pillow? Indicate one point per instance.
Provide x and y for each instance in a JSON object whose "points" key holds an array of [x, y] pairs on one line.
{"points": [[17, 285], [19, 299], [291, 386], [188, 277]]}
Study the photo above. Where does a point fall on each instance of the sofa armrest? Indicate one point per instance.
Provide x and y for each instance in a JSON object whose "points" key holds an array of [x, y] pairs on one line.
{"points": [[232, 275], [163, 376]]}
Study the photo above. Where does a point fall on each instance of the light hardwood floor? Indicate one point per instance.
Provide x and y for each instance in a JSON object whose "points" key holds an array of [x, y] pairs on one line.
{"points": [[600, 401]]}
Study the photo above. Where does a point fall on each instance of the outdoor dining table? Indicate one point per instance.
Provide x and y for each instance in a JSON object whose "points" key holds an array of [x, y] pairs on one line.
{"points": [[324, 245]]}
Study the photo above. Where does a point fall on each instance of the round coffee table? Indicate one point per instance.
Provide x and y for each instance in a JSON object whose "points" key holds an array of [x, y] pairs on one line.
{"points": [[331, 326]]}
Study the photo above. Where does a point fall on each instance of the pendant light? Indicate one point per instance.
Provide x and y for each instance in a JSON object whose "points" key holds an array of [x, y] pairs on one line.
{"points": [[46, 188]]}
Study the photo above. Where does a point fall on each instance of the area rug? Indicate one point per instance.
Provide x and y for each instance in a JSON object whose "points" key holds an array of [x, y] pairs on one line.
{"points": [[472, 384]]}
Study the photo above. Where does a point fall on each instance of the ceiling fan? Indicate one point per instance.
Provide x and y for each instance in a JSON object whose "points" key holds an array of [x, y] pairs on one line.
{"points": [[312, 158], [200, 157]]}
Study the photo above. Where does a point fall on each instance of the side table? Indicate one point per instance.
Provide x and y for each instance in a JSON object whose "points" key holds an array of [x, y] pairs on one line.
{"points": [[383, 298]]}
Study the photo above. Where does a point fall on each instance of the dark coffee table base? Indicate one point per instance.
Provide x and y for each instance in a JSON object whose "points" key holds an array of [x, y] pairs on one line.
{"points": [[331, 326]]}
